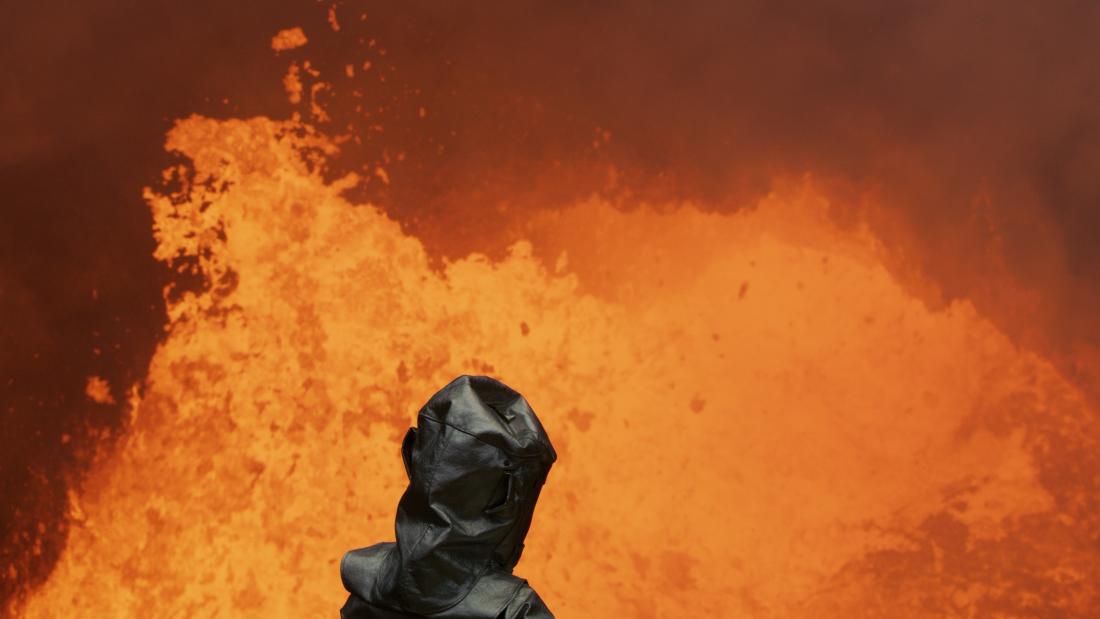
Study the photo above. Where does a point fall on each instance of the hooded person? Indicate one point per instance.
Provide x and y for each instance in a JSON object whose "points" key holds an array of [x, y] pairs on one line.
{"points": [[476, 462]]}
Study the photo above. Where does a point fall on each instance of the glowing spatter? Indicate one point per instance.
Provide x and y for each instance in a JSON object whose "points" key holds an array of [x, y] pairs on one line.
{"points": [[743, 405]]}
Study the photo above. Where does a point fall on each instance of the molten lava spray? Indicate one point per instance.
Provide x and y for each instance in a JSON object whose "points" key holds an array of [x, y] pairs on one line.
{"points": [[753, 418]]}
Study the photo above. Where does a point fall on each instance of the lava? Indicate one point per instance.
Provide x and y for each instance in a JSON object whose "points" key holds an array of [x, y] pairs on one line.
{"points": [[807, 295], [751, 411]]}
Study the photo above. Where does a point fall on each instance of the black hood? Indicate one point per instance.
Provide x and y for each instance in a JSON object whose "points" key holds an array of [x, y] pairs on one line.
{"points": [[476, 462]]}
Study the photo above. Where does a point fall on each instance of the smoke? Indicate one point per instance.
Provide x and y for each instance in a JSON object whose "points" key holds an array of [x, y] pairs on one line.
{"points": [[966, 134]]}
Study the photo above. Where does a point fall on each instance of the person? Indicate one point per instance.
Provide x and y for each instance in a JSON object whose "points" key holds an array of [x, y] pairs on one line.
{"points": [[476, 462]]}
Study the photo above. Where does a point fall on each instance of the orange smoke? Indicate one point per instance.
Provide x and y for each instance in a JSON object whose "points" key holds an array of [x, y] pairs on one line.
{"points": [[749, 410]]}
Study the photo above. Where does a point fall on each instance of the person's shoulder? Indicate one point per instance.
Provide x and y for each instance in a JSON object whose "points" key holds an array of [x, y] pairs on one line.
{"points": [[499, 595], [360, 568], [526, 604], [522, 601]]}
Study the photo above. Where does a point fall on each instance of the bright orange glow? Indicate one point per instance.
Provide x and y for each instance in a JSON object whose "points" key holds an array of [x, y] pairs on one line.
{"points": [[98, 390], [745, 406], [288, 39]]}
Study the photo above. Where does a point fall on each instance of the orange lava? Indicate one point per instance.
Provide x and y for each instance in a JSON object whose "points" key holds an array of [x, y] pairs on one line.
{"points": [[98, 390], [744, 405], [289, 38]]}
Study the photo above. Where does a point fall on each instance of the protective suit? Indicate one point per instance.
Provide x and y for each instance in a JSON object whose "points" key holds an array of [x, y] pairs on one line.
{"points": [[476, 462]]}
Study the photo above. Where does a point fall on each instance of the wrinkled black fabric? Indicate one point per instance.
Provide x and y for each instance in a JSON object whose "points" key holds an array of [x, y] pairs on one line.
{"points": [[476, 462]]}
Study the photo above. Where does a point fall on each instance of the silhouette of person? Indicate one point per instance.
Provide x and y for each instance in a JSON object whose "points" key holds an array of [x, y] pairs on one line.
{"points": [[476, 462]]}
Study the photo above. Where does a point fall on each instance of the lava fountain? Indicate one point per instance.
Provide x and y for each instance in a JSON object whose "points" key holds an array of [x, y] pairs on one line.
{"points": [[750, 411]]}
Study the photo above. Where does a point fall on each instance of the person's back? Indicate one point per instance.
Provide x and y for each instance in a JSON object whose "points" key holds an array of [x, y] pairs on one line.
{"points": [[476, 463]]}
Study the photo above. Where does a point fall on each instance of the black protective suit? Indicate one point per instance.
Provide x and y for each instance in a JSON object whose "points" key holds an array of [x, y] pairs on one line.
{"points": [[476, 462]]}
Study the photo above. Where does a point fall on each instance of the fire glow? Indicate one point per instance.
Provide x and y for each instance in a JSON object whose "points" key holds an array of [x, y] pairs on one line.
{"points": [[747, 409], [754, 418]]}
